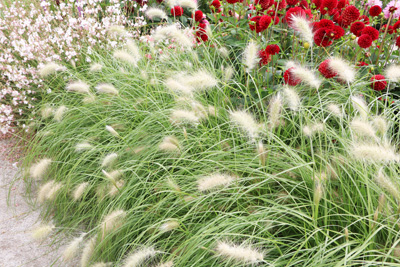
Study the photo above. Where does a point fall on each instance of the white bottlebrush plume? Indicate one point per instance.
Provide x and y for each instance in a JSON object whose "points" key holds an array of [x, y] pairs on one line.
{"points": [[392, 73], [170, 144], [79, 87], [83, 146], [88, 251], [153, 13], [133, 49], [361, 106], [109, 160], [115, 188], [107, 88], [71, 250], [164, 32], [240, 253], [46, 112], [212, 111], [363, 128], [96, 67], [246, 123], [43, 231], [166, 264], [374, 153], [304, 74], [182, 39], [250, 55], [291, 98], [181, 116], [112, 176], [59, 113], [50, 68], [113, 221], [44, 190], [118, 29], [199, 110], [224, 52], [173, 185], [228, 73], [125, 57], [90, 98], [53, 190], [102, 264], [190, 4], [344, 70], [38, 170], [178, 87], [111, 130], [79, 191], [335, 110], [169, 225], [274, 111], [301, 25], [200, 80], [318, 192], [139, 257], [214, 181], [310, 129], [262, 154], [380, 124], [383, 181]]}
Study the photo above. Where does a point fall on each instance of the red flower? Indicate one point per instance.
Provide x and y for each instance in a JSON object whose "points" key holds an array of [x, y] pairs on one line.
{"points": [[265, 57], [298, 11], [364, 41], [398, 41], [390, 29], [254, 24], [265, 4], [289, 78], [396, 25], [292, 2], [361, 64], [342, 3], [322, 37], [317, 3], [325, 71], [232, 1], [281, 4], [272, 49], [364, 19], [324, 23], [338, 32], [378, 82], [375, 11], [349, 15], [265, 21], [304, 4], [177, 11], [327, 5], [198, 15], [374, 33], [216, 4], [357, 27]]}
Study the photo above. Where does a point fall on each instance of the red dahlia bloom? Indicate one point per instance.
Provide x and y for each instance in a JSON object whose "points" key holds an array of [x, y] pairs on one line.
{"points": [[216, 4], [390, 29], [198, 15], [304, 4], [177, 11], [265, 4], [290, 78], [317, 3], [280, 4], [396, 25], [265, 57], [357, 27], [265, 21], [364, 41], [254, 24], [364, 19], [324, 23], [371, 31], [342, 3], [398, 41], [325, 70], [350, 14], [232, 1], [328, 5], [338, 32], [375, 11], [361, 64], [322, 37], [298, 11], [292, 2], [272, 49], [378, 82]]}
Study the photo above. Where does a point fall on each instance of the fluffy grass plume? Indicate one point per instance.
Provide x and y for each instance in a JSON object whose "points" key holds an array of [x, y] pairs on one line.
{"points": [[246, 123], [109, 160], [304, 74], [344, 70], [43, 231], [107, 88], [291, 98], [112, 176], [392, 73], [53, 190], [166, 264], [59, 113], [112, 131], [88, 251], [200, 80], [83, 146], [50, 68], [180, 116], [275, 108], [137, 258], [261, 152], [133, 49], [102, 264], [113, 221], [301, 25], [95, 67], [361, 106], [44, 190], [71, 251], [126, 57], [383, 181], [118, 29], [240, 253], [38, 170], [335, 110], [79, 190], [46, 112], [311, 129], [380, 124], [169, 225], [170, 144], [374, 153], [190, 4], [178, 87], [153, 12], [250, 55], [363, 128], [214, 181], [78, 87]]}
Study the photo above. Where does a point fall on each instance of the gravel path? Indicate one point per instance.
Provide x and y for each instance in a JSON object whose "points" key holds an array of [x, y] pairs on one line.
{"points": [[17, 219]]}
